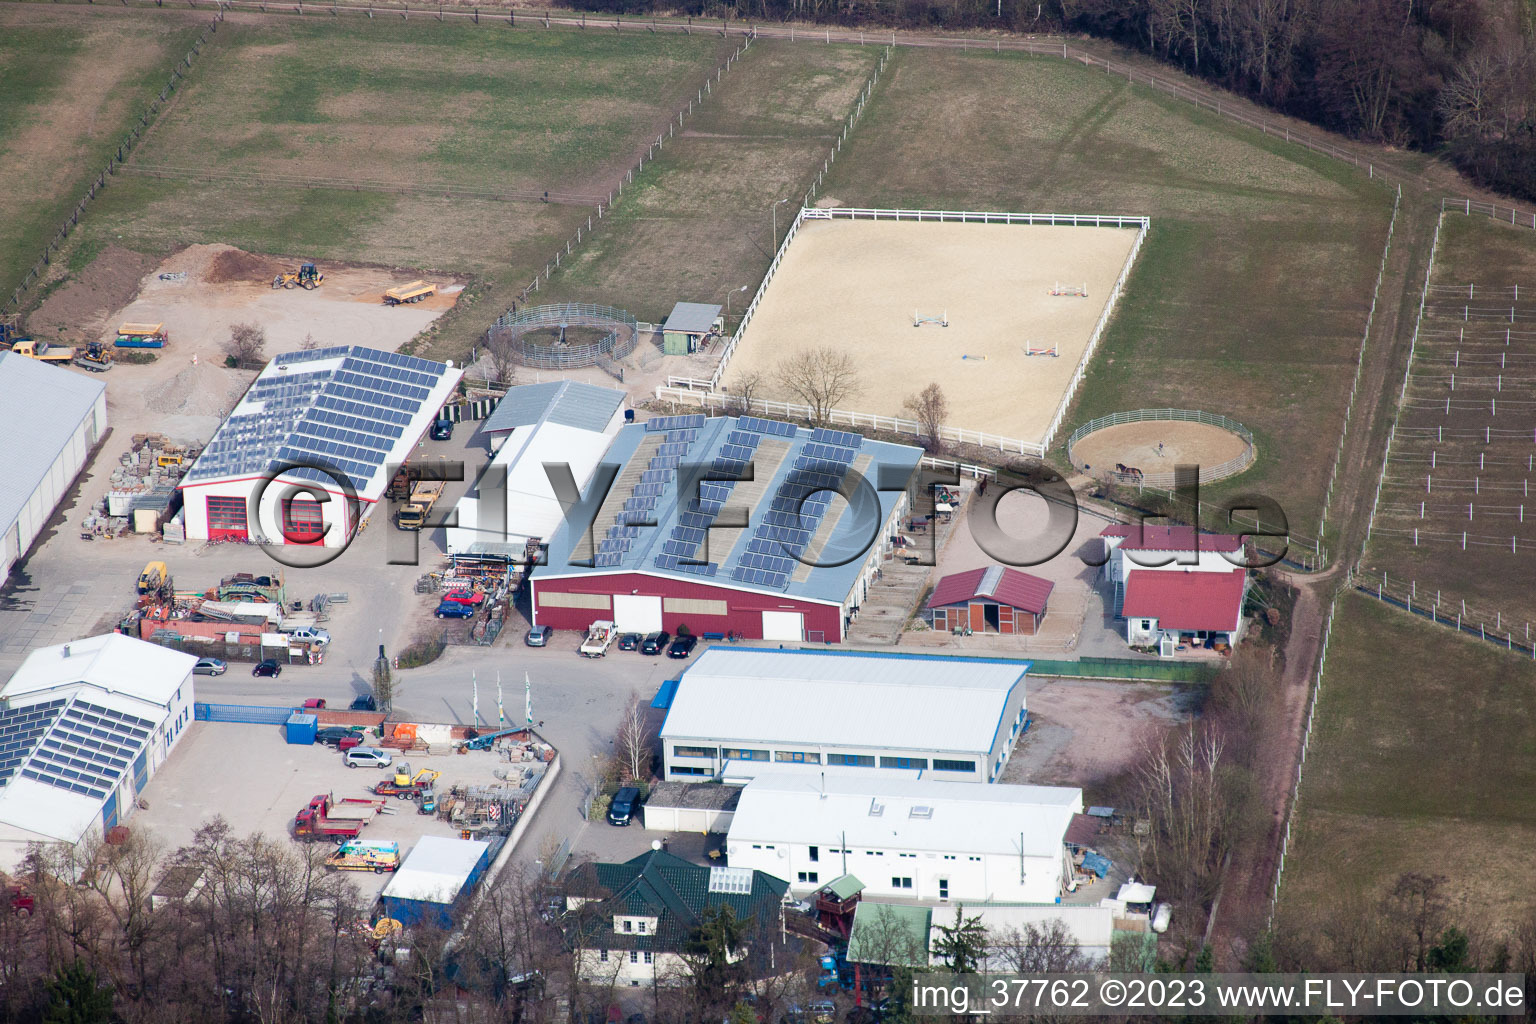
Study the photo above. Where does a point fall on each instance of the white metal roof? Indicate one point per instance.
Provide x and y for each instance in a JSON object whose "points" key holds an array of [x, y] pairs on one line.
{"points": [[47, 811], [568, 402], [532, 508], [1089, 928], [906, 814], [41, 407], [852, 699], [691, 317], [112, 662], [436, 869]]}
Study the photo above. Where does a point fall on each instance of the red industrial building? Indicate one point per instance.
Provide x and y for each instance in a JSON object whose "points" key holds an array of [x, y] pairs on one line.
{"points": [[798, 570]]}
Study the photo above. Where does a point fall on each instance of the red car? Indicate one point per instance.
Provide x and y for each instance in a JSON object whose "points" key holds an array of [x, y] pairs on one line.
{"points": [[463, 597], [315, 704]]}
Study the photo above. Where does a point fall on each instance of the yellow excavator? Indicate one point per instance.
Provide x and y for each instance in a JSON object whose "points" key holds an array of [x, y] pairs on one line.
{"points": [[307, 277]]}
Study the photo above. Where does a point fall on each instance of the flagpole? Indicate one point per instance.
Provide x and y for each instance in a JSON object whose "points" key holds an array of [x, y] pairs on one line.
{"points": [[475, 696], [528, 699], [501, 714]]}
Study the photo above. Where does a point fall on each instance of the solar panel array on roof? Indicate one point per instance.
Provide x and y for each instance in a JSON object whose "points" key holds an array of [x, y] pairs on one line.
{"points": [[842, 438], [654, 480], [775, 427], [20, 729], [665, 424], [347, 417], [88, 749], [784, 532]]}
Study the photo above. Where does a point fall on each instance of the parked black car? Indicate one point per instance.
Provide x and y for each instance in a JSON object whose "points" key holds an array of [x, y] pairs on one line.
{"points": [[682, 646], [364, 703], [629, 641], [622, 807], [332, 735], [269, 667], [655, 643], [442, 430]]}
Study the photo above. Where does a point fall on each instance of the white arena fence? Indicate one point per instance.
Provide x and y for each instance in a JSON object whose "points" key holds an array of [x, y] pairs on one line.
{"points": [[1165, 481], [732, 404], [896, 424]]}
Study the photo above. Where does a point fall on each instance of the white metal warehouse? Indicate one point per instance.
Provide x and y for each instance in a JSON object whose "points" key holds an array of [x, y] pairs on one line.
{"points": [[328, 426], [955, 718], [918, 838], [83, 728], [561, 422], [53, 418]]}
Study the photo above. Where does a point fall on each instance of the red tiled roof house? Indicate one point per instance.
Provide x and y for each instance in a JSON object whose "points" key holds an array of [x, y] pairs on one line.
{"points": [[990, 600], [1165, 605]]}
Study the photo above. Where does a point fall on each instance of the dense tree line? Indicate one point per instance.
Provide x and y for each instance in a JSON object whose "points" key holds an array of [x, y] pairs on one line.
{"points": [[1456, 77]]}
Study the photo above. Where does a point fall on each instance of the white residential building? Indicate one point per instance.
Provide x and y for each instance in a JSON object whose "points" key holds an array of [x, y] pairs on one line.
{"points": [[920, 839], [83, 728], [954, 718]]}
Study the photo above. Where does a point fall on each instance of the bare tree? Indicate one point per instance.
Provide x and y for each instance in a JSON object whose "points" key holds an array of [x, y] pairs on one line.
{"points": [[823, 378], [1047, 948], [309, 344], [930, 408], [1179, 789], [747, 387], [246, 346], [633, 744], [501, 351]]}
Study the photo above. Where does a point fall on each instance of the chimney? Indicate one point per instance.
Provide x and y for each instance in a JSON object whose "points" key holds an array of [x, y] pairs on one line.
{"points": [[66, 650]]}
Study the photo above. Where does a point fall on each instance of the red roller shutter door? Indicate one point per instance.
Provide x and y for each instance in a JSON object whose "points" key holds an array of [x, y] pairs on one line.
{"points": [[302, 521], [226, 518]]}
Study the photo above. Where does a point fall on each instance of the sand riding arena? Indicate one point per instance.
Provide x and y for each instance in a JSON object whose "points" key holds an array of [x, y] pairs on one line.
{"points": [[1143, 446], [1002, 310]]}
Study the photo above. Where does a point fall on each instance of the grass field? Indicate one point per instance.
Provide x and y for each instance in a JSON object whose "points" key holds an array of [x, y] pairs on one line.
{"points": [[1463, 457], [419, 103], [1250, 295], [698, 222], [1424, 768], [72, 83]]}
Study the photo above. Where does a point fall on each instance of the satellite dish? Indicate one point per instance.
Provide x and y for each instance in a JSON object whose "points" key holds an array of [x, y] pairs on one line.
{"points": [[656, 844]]}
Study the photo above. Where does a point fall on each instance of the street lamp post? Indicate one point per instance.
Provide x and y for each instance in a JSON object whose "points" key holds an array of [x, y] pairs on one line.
{"points": [[776, 206], [731, 295]]}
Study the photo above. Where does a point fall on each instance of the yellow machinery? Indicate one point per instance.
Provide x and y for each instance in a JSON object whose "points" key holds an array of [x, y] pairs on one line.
{"points": [[308, 277], [425, 777]]}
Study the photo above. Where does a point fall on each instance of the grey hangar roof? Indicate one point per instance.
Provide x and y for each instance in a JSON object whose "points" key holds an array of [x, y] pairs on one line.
{"points": [[41, 407], [691, 318], [346, 406], [681, 472], [567, 402]]}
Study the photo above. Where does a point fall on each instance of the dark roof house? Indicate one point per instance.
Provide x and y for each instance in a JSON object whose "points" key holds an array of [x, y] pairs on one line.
{"points": [[995, 599], [669, 889]]}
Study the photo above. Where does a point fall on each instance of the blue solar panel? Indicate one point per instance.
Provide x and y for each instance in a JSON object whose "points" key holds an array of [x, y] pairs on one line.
{"points": [[20, 730]]}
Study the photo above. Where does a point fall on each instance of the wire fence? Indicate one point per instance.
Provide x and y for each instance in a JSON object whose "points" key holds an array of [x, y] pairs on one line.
{"points": [[1506, 214], [1208, 474], [1301, 762], [1511, 632], [114, 163], [408, 188], [794, 227], [623, 334], [1354, 389]]}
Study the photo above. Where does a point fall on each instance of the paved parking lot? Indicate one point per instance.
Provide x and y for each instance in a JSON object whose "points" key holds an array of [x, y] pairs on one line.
{"points": [[254, 779]]}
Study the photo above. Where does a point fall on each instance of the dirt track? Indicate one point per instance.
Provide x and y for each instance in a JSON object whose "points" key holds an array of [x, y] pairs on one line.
{"points": [[1156, 447]]}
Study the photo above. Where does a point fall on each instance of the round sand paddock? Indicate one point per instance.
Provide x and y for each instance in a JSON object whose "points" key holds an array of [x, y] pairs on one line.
{"points": [[1155, 446]]}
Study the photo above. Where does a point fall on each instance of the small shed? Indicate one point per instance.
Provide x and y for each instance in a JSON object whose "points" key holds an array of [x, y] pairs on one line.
{"points": [[701, 807], [990, 600], [302, 728], [687, 326], [434, 883], [177, 885]]}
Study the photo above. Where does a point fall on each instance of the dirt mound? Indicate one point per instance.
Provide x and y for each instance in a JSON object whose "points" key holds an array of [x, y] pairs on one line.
{"points": [[79, 308], [234, 265], [202, 389]]}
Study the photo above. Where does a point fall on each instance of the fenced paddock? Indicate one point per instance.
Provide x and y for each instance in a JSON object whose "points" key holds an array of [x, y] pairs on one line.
{"points": [[850, 279], [1456, 511], [1152, 441], [518, 329]]}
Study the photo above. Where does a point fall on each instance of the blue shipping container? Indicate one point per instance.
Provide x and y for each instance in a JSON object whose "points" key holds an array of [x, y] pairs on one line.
{"points": [[416, 899], [302, 728]]}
